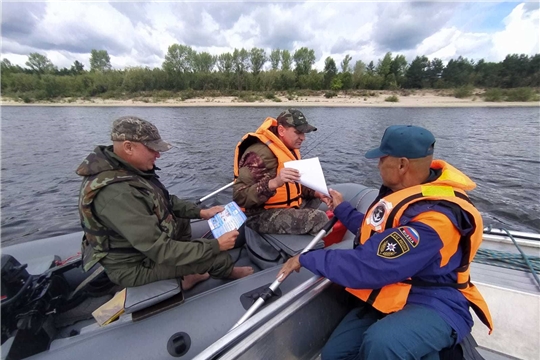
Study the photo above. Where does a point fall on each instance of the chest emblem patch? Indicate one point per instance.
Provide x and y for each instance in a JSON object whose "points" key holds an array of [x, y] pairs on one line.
{"points": [[393, 246]]}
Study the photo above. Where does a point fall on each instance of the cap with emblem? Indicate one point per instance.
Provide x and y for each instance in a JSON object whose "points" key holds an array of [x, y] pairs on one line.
{"points": [[296, 119], [408, 141], [136, 129]]}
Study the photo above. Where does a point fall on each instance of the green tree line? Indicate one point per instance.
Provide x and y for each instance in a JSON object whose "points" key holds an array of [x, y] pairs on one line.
{"points": [[185, 69]]}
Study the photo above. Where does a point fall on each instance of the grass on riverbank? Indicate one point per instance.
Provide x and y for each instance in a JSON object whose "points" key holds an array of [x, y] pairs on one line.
{"points": [[164, 96]]}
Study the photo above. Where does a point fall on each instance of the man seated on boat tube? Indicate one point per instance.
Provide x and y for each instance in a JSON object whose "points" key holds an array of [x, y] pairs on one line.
{"points": [[133, 227], [410, 264], [269, 193]]}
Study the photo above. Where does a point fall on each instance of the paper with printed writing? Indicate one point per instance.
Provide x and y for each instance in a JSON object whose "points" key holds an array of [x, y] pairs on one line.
{"points": [[231, 218], [311, 174]]}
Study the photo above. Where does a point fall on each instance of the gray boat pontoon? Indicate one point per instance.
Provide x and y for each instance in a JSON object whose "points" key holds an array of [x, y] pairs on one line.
{"points": [[47, 314]]}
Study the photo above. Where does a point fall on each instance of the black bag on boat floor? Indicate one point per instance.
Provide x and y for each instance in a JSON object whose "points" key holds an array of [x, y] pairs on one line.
{"points": [[268, 250]]}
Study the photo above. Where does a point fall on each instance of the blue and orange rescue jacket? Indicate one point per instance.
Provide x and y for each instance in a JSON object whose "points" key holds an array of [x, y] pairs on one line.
{"points": [[415, 246]]}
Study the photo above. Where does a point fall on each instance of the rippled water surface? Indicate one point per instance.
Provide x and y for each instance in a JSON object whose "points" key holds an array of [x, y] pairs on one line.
{"points": [[499, 148]]}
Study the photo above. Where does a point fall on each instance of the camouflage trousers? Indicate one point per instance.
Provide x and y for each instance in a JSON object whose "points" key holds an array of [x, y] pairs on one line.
{"points": [[147, 271], [126, 272], [306, 220]]}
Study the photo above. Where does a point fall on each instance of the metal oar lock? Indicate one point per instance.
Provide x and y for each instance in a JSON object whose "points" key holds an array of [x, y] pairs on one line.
{"points": [[268, 293]]}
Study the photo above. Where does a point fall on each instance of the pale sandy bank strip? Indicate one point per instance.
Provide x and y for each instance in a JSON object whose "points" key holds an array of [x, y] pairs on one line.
{"points": [[307, 101]]}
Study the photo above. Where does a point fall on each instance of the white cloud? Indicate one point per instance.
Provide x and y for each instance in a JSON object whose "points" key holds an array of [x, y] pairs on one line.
{"points": [[138, 34], [520, 35]]}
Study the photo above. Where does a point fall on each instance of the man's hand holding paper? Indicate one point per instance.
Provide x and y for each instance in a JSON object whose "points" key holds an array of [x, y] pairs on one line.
{"points": [[311, 174], [285, 175]]}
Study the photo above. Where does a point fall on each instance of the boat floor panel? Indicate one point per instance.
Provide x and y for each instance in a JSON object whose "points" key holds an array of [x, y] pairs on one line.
{"points": [[503, 277]]}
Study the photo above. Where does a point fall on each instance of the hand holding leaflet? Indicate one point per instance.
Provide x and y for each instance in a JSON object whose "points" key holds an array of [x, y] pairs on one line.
{"points": [[231, 218], [311, 174]]}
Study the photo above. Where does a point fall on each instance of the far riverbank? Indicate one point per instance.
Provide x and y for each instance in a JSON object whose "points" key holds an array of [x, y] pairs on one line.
{"points": [[421, 98]]}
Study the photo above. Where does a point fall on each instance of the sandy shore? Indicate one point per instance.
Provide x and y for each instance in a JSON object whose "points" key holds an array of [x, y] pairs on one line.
{"points": [[417, 99]]}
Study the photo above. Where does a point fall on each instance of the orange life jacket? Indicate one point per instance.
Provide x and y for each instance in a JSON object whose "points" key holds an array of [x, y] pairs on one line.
{"points": [[288, 195], [449, 187]]}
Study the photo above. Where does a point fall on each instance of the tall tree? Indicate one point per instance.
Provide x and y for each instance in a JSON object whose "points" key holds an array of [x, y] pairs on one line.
{"points": [[286, 60], [359, 68], [435, 70], [225, 66], [330, 71], [304, 59], [398, 68], [203, 62], [258, 59], [39, 64], [100, 60], [345, 63], [416, 76], [240, 65], [275, 59], [458, 72], [370, 68], [77, 68], [178, 59], [225, 63]]}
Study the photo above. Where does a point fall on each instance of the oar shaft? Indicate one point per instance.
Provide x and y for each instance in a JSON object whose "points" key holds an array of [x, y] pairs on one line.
{"points": [[214, 193], [277, 282]]}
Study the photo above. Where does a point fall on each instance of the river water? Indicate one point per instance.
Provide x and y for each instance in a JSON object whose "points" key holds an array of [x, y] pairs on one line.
{"points": [[499, 148]]}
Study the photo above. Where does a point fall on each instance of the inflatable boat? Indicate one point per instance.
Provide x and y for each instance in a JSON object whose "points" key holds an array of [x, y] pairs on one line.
{"points": [[47, 302]]}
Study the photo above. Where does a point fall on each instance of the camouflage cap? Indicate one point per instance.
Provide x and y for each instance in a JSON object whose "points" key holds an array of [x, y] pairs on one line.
{"points": [[136, 129], [295, 118]]}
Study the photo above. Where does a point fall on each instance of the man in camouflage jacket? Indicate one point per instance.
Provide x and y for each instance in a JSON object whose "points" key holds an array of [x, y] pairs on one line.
{"points": [[258, 179], [133, 227]]}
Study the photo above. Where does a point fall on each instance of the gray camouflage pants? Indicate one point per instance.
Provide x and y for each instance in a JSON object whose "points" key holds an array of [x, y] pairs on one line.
{"points": [[306, 220]]}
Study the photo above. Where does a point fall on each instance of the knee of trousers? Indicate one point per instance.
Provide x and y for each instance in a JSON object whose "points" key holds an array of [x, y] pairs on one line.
{"points": [[222, 265], [377, 343]]}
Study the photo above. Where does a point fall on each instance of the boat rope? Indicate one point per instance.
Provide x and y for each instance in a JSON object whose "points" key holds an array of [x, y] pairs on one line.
{"points": [[510, 261]]}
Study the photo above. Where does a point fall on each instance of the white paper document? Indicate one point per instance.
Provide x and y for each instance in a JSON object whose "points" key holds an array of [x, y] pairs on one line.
{"points": [[311, 174]]}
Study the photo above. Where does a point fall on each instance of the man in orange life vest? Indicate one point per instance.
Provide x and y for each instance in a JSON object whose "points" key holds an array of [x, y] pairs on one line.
{"points": [[410, 264], [273, 200]]}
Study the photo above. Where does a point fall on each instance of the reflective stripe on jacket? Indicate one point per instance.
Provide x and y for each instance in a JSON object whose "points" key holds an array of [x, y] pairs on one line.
{"points": [[449, 189], [288, 195]]}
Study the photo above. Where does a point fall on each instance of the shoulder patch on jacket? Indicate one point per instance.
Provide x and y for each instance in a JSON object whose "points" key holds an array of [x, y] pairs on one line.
{"points": [[410, 234], [393, 246]]}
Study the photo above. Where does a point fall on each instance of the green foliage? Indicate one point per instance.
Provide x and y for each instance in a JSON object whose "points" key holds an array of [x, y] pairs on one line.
{"points": [[392, 98], [304, 59], [336, 84], [520, 94], [493, 95], [286, 60], [258, 59], [186, 72], [99, 60], [345, 63], [330, 94], [248, 97], [39, 64], [275, 59], [330, 72], [463, 92]]}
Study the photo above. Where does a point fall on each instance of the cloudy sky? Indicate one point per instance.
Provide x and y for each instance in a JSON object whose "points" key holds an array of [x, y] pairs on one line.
{"points": [[139, 33]]}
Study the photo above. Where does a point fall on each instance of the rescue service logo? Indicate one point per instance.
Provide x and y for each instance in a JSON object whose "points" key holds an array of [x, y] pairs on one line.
{"points": [[410, 235], [393, 246]]}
